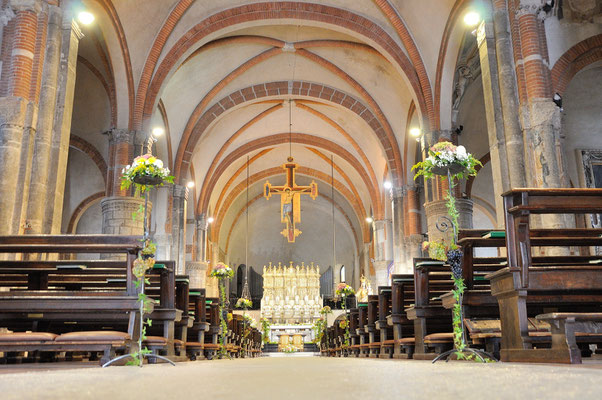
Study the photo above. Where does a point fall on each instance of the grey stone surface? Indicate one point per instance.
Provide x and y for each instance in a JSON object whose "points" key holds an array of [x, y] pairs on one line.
{"points": [[309, 378]]}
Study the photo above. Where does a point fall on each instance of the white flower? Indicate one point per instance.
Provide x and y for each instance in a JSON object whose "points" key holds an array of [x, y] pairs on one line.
{"points": [[158, 163], [461, 152]]}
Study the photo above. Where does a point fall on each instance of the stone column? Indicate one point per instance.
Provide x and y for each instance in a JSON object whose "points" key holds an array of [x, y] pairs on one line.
{"points": [[509, 95], [51, 147], [70, 37], [397, 198], [179, 201], [201, 238], [380, 252], [493, 113]]}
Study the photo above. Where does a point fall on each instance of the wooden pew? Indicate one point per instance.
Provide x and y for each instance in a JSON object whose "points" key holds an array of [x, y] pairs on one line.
{"points": [[432, 322], [37, 302], [354, 340], [384, 329], [370, 328], [364, 340], [567, 287], [402, 297]]}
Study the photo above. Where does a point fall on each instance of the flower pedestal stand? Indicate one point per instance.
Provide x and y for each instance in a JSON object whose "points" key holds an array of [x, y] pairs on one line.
{"points": [[454, 258], [149, 181]]}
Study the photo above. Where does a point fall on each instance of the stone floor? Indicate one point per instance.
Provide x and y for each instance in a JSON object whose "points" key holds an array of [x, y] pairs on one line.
{"points": [[305, 378]]}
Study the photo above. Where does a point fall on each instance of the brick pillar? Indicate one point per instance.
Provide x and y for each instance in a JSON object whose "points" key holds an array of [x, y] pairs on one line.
{"points": [[540, 117], [179, 194], [18, 110], [121, 154]]}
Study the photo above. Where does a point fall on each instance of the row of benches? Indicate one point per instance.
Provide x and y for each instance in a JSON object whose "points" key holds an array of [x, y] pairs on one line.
{"points": [[91, 305], [523, 307]]}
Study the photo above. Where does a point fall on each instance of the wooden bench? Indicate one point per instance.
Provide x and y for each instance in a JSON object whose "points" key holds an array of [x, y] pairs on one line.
{"points": [[402, 297], [38, 303], [568, 288], [431, 280]]}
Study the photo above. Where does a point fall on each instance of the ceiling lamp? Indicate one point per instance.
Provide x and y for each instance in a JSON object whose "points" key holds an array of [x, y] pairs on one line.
{"points": [[85, 17], [472, 18]]}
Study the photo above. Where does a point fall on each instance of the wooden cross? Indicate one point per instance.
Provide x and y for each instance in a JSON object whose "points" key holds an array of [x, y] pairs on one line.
{"points": [[290, 199]]}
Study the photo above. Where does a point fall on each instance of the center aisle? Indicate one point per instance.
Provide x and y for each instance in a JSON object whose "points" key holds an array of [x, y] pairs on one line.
{"points": [[309, 378]]}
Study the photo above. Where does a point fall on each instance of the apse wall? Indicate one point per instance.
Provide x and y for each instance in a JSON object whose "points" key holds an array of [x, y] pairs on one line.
{"points": [[314, 244]]}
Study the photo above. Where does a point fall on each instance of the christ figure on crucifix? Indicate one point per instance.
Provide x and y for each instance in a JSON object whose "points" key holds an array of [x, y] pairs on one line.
{"points": [[290, 199]]}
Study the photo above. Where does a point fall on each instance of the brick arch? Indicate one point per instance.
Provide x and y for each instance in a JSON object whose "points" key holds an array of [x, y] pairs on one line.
{"points": [[281, 10], [81, 209], [299, 88], [406, 38], [109, 8], [260, 195], [576, 58], [204, 194], [274, 140], [310, 172], [457, 9], [87, 148]]}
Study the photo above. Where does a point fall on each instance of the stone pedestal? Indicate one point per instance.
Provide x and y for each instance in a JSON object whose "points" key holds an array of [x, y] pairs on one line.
{"points": [[381, 273], [436, 210], [117, 215], [413, 250], [197, 273]]}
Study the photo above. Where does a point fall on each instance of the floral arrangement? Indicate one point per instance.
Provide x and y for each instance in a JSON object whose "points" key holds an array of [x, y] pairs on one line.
{"points": [[344, 324], [450, 162], [319, 327], [289, 348], [344, 289], [244, 303], [146, 165], [446, 154], [265, 330], [221, 271], [326, 310]]}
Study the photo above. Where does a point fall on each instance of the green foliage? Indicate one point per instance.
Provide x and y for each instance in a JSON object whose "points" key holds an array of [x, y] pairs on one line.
{"points": [[265, 330]]}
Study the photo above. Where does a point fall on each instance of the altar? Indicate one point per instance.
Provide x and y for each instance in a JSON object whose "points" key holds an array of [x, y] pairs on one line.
{"points": [[293, 335], [291, 295]]}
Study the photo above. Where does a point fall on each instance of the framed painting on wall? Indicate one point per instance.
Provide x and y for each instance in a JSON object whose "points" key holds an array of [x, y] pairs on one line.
{"points": [[592, 169]]}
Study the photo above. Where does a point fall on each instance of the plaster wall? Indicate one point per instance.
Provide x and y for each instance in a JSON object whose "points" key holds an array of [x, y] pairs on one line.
{"points": [[314, 244], [91, 110], [83, 180], [562, 35], [474, 137], [582, 119]]}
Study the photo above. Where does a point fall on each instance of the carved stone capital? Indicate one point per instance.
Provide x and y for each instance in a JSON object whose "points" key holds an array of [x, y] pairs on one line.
{"points": [[530, 7], [35, 6], [201, 222], [121, 136], [6, 14]]}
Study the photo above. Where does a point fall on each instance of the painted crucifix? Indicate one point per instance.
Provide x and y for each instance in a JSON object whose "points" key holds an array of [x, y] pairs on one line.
{"points": [[290, 199]]}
